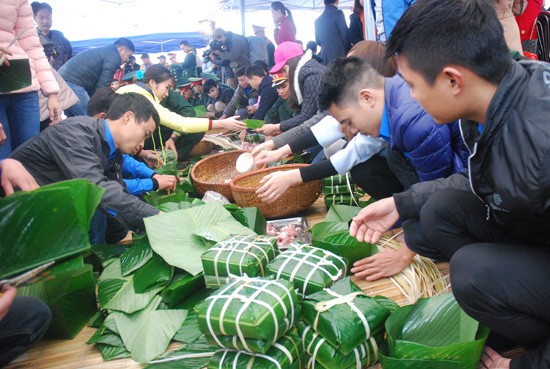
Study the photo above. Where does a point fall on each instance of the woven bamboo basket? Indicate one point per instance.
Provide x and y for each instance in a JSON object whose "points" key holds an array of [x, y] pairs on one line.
{"points": [[202, 148], [214, 173], [294, 200]]}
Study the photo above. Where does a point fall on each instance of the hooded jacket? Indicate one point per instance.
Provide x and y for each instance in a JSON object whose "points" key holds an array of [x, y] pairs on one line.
{"points": [[509, 165]]}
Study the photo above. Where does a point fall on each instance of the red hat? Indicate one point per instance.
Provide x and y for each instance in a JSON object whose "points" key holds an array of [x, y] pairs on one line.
{"points": [[284, 52]]}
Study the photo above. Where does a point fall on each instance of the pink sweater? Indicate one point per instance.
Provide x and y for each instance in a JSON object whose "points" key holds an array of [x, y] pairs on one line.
{"points": [[16, 15]]}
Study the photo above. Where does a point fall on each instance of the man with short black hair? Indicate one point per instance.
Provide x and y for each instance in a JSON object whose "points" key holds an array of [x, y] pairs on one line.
{"points": [[93, 69], [189, 65], [267, 94], [84, 147], [146, 61], [218, 97], [492, 224], [243, 97]]}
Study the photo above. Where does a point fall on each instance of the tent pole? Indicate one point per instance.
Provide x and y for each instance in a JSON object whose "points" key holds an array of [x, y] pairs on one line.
{"points": [[242, 17]]}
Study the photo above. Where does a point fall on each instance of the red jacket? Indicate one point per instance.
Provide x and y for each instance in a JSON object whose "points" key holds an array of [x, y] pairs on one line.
{"points": [[285, 31]]}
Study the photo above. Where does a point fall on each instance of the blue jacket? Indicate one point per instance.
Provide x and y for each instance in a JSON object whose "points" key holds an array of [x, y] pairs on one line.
{"points": [[435, 150], [332, 34], [137, 176], [392, 10]]}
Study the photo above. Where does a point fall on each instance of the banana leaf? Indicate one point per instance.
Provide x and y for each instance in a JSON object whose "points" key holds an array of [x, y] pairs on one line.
{"points": [[115, 292], [157, 198], [16, 76], [348, 324], [109, 352], [249, 308], [195, 298], [106, 252], [69, 291], [238, 256], [337, 190], [56, 215], [182, 285], [333, 235], [173, 206], [190, 356], [169, 168], [154, 274], [97, 320], [106, 337], [200, 111], [310, 269], [433, 330], [249, 217], [136, 256], [286, 353], [254, 123], [147, 333], [322, 352], [338, 179], [181, 237], [189, 331]]}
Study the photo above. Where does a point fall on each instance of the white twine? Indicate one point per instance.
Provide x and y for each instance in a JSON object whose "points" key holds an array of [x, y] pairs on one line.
{"points": [[181, 357]]}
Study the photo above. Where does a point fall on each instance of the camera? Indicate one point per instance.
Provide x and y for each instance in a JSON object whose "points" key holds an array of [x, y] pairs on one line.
{"points": [[217, 45]]}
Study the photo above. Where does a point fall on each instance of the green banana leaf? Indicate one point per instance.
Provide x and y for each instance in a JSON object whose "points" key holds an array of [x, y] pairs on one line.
{"points": [[182, 285], [154, 274], [115, 292], [254, 123], [147, 333], [173, 206], [189, 332], [97, 320], [109, 352], [57, 216], [190, 356], [248, 217], [105, 336], [136, 256], [157, 198], [341, 213], [69, 291], [106, 252], [16, 76], [200, 111], [169, 168], [195, 298], [181, 237], [434, 329]]}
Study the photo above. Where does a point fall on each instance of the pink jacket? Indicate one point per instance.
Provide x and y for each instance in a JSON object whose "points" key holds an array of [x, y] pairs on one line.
{"points": [[16, 15], [285, 31]]}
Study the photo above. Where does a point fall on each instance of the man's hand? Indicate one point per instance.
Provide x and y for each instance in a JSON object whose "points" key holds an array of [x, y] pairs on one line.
{"points": [[374, 220], [170, 144], [270, 129], [166, 182], [6, 299], [54, 108], [266, 157], [2, 135], [152, 158], [384, 264], [14, 175], [251, 109], [231, 124], [276, 184]]}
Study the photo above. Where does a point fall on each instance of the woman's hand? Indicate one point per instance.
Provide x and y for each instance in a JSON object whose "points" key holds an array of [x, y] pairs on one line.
{"points": [[230, 123], [54, 108], [2, 135], [170, 144], [270, 129], [276, 184], [6, 299], [267, 145], [266, 157], [3, 52]]}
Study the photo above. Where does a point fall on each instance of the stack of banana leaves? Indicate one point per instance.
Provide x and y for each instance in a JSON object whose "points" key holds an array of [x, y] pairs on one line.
{"points": [[433, 333], [241, 255], [51, 224], [251, 320], [309, 268], [342, 327]]}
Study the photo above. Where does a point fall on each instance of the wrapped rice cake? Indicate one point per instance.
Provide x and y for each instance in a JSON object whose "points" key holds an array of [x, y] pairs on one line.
{"points": [[309, 268], [345, 316], [287, 353], [238, 256], [249, 308]]}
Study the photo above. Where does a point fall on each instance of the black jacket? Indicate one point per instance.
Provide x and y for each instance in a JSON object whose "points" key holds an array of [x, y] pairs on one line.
{"points": [[332, 34], [77, 148], [268, 96], [92, 69], [509, 167]]}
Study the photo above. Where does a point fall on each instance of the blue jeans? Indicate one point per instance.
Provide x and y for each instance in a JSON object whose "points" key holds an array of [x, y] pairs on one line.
{"points": [[20, 118], [26, 322], [81, 107]]}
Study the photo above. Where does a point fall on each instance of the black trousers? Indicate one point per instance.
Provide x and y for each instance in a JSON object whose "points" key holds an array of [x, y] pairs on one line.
{"points": [[498, 279], [381, 177], [184, 143]]}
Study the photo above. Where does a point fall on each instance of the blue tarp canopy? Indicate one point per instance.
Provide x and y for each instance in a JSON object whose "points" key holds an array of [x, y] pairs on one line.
{"points": [[154, 43]]}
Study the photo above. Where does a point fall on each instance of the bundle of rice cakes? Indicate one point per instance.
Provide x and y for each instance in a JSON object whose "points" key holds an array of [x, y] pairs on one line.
{"points": [[236, 257]]}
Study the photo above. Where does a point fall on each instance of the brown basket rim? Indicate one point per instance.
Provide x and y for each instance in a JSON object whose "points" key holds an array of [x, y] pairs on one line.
{"points": [[210, 157], [235, 187]]}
